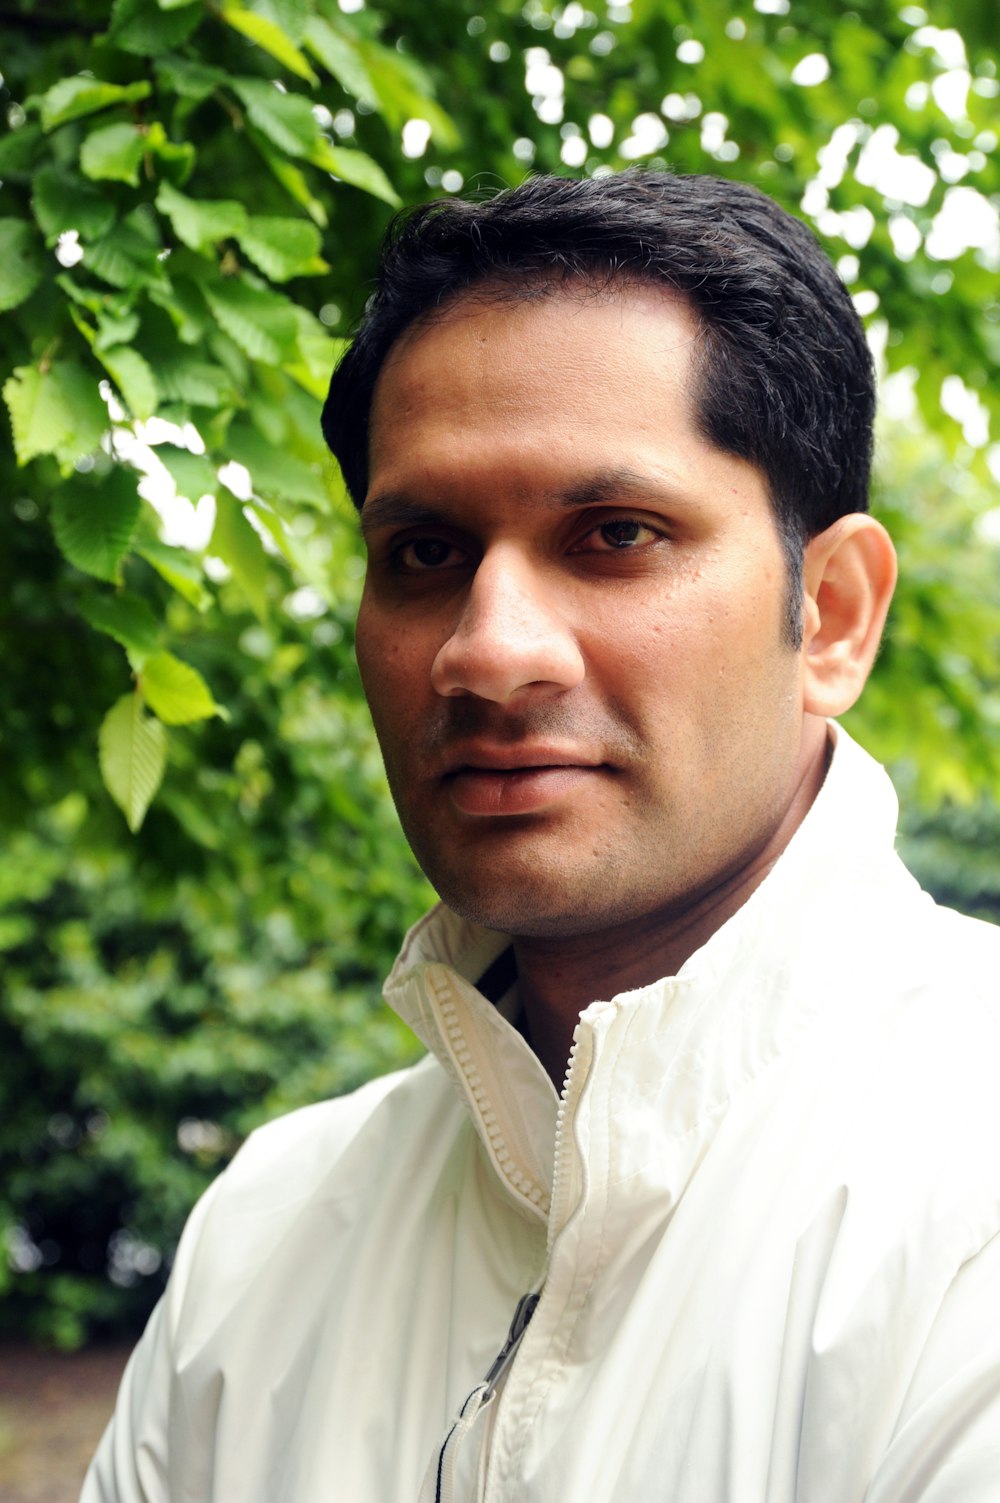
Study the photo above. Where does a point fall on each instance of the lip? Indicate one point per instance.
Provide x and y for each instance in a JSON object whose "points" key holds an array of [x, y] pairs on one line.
{"points": [[520, 757], [491, 782]]}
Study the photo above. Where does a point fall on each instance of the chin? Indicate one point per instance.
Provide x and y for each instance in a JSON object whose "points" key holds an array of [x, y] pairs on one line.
{"points": [[528, 911]]}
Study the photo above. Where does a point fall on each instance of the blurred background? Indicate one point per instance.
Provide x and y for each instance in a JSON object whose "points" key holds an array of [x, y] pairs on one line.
{"points": [[202, 882]]}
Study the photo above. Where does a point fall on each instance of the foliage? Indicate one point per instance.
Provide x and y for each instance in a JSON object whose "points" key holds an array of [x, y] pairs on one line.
{"points": [[190, 200]]}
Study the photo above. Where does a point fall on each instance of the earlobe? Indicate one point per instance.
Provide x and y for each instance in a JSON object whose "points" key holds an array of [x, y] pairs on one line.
{"points": [[849, 575]]}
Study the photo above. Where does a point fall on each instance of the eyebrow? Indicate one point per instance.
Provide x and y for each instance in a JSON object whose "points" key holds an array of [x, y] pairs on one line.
{"points": [[395, 509]]}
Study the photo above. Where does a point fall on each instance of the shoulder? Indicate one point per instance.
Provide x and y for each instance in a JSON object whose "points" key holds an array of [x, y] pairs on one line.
{"points": [[317, 1166]]}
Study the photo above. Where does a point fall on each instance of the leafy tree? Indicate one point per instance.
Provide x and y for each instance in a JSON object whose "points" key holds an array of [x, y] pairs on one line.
{"points": [[204, 882]]}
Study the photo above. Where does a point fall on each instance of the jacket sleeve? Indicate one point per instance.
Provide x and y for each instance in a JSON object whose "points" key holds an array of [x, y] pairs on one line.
{"points": [[946, 1445], [131, 1464]]}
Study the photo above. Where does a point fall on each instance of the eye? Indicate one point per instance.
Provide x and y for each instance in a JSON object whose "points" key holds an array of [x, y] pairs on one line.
{"points": [[422, 555], [619, 535]]}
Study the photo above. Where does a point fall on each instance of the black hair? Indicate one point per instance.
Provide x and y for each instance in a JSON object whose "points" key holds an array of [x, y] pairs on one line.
{"points": [[785, 376]]}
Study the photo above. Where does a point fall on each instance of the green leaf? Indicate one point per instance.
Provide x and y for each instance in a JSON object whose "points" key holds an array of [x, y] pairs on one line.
{"points": [[115, 328], [200, 223], [132, 748], [113, 154], [148, 30], [57, 411], [402, 90], [127, 618], [63, 200], [340, 55], [262, 323], [269, 35], [179, 570], [193, 474], [186, 378], [191, 80], [320, 353], [356, 168], [18, 150], [21, 267], [175, 159], [134, 379], [282, 248], [273, 471], [293, 181], [94, 524], [175, 691], [71, 98], [286, 120], [237, 544], [127, 257]]}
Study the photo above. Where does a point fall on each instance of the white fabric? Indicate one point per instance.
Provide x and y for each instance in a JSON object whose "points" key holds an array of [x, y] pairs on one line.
{"points": [[763, 1218]]}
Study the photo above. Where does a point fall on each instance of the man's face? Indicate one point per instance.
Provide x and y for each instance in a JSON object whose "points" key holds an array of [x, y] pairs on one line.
{"points": [[571, 629]]}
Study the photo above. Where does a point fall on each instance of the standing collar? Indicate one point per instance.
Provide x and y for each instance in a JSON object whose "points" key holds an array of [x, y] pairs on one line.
{"points": [[693, 1038]]}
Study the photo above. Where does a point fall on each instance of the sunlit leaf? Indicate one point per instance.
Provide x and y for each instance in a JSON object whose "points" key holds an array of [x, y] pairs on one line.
{"points": [[71, 98], [133, 756], [113, 153], [356, 168], [237, 544], [268, 35], [175, 691], [56, 411]]}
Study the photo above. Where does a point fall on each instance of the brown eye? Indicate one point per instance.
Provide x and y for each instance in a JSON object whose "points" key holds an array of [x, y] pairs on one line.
{"points": [[619, 535], [427, 553], [622, 534]]}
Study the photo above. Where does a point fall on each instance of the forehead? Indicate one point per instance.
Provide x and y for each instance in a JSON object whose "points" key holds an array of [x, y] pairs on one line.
{"points": [[516, 329], [499, 401], [576, 366]]}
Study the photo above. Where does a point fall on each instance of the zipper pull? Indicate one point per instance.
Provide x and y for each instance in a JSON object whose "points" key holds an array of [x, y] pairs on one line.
{"points": [[522, 1315], [439, 1479]]}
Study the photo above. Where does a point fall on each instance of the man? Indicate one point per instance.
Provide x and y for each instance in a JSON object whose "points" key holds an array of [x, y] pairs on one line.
{"points": [[709, 1123]]}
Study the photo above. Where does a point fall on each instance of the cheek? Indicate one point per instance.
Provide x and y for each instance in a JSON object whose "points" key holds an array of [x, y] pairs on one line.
{"points": [[394, 662]]}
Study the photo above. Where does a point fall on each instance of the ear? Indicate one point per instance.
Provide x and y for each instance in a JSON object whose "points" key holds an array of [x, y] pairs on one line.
{"points": [[849, 574]]}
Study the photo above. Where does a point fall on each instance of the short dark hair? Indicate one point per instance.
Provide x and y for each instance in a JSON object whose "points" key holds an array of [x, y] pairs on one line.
{"points": [[786, 379]]}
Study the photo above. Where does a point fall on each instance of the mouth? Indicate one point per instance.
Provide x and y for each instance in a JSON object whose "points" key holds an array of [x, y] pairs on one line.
{"points": [[487, 782]]}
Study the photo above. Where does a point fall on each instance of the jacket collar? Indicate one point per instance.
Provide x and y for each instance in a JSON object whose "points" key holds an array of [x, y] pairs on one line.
{"points": [[687, 1042]]}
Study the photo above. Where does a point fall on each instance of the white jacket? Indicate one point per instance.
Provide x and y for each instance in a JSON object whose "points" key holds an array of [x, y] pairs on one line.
{"points": [[763, 1219]]}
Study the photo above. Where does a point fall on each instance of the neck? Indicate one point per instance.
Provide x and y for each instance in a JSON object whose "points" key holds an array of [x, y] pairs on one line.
{"points": [[558, 977]]}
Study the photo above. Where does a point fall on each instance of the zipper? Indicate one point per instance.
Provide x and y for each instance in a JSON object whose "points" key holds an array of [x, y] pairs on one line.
{"points": [[522, 1315], [442, 1472], [581, 1057]]}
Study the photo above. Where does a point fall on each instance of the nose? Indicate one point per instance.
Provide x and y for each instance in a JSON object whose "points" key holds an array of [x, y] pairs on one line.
{"points": [[510, 636]]}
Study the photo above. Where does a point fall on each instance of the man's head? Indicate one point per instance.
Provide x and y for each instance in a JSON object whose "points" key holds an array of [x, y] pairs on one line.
{"points": [[575, 632], [782, 377]]}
